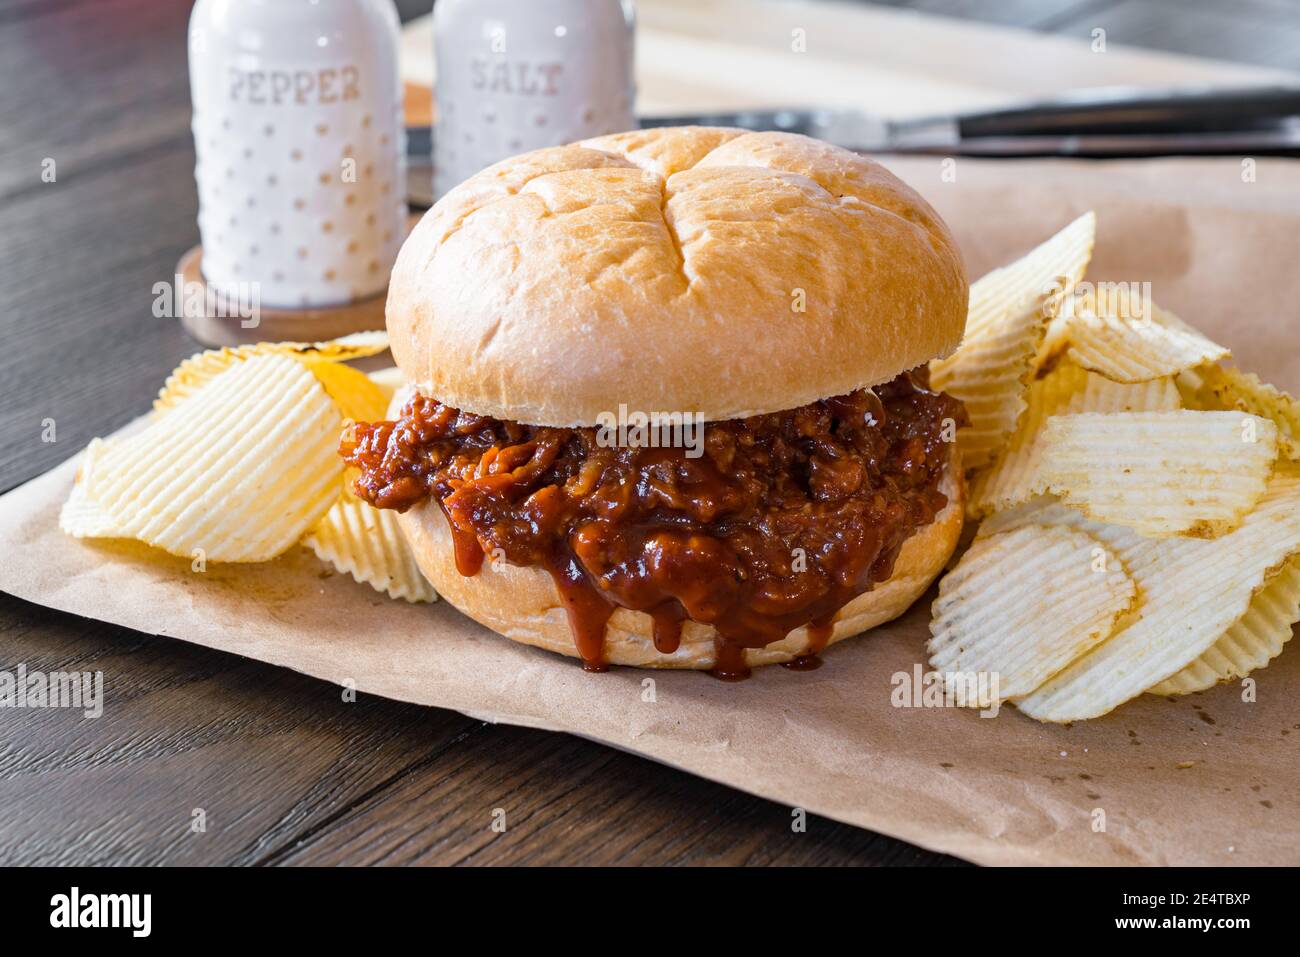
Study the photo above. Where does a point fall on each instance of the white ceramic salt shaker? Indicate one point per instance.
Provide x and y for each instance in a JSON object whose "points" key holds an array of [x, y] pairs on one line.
{"points": [[516, 75], [301, 146]]}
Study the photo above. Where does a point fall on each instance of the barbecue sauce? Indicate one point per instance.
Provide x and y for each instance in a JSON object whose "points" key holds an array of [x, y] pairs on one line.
{"points": [[781, 521]]}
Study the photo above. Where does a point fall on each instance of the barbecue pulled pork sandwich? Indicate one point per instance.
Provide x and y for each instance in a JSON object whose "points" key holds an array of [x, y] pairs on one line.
{"points": [[787, 292]]}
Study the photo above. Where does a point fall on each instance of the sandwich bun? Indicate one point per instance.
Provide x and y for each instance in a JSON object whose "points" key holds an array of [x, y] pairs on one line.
{"points": [[688, 269]]}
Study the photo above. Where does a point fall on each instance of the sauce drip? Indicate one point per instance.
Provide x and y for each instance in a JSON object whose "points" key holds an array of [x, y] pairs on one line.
{"points": [[667, 619], [803, 663], [778, 522], [588, 612]]}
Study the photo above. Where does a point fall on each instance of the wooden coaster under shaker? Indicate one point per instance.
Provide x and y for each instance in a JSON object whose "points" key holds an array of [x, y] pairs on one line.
{"points": [[300, 142], [516, 75]]}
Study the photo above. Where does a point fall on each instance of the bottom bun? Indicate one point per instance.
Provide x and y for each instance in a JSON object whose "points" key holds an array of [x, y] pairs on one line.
{"points": [[522, 603]]}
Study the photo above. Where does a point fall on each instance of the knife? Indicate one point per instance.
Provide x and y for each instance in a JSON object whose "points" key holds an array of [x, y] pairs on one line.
{"points": [[1107, 122], [1113, 121]]}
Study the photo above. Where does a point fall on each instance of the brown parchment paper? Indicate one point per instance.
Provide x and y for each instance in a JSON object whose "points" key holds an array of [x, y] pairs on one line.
{"points": [[1207, 779]]}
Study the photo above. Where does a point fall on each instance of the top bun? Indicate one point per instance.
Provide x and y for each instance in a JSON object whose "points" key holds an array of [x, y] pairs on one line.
{"points": [[666, 269]]}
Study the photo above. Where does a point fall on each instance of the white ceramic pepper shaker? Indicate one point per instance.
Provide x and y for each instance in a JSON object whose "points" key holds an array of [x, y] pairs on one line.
{"points": [[301, 146], [516, 75]]}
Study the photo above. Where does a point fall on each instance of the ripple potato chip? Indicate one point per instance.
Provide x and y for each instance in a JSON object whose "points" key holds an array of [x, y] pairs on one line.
{"points": [[237, 473], [1136, 349], [1007, 319], [990, 374], [1162, 473], [1218, 387], [1052, 268], [367, 543], [1021, 605], [356, 395], [199, 369], [1016, 476], [81, 516], [1250, 643]]}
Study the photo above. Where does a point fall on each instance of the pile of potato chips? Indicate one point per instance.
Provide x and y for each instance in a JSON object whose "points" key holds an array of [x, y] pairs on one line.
{"points": [[239, 464], [1138, 503]]}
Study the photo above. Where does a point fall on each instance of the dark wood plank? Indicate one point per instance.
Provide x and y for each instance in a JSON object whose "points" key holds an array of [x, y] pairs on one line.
{"points": [[79, 264], [269, 755], [88, 81], [568, 801], [100, 89]]}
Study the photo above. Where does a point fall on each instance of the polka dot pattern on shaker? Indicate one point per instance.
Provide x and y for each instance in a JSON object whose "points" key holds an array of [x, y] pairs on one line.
{"points": [[306, 201]]}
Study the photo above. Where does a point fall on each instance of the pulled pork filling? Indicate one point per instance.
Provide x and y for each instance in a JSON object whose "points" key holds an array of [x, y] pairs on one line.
{"points": [[780, 522]]}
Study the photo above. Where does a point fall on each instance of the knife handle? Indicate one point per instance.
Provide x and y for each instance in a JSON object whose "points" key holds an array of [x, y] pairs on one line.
{"points": [[1119, 112]]}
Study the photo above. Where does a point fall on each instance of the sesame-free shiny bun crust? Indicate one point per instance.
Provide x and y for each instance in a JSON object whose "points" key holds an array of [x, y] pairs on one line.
{"points": [[686, 269]]}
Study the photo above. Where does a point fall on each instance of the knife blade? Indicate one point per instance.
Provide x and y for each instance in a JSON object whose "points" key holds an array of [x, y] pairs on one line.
{"points": [[1114, 121], [1108, 122]]}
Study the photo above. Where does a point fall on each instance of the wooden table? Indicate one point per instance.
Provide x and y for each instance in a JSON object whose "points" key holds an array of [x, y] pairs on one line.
{"points": [[284, 771]]}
